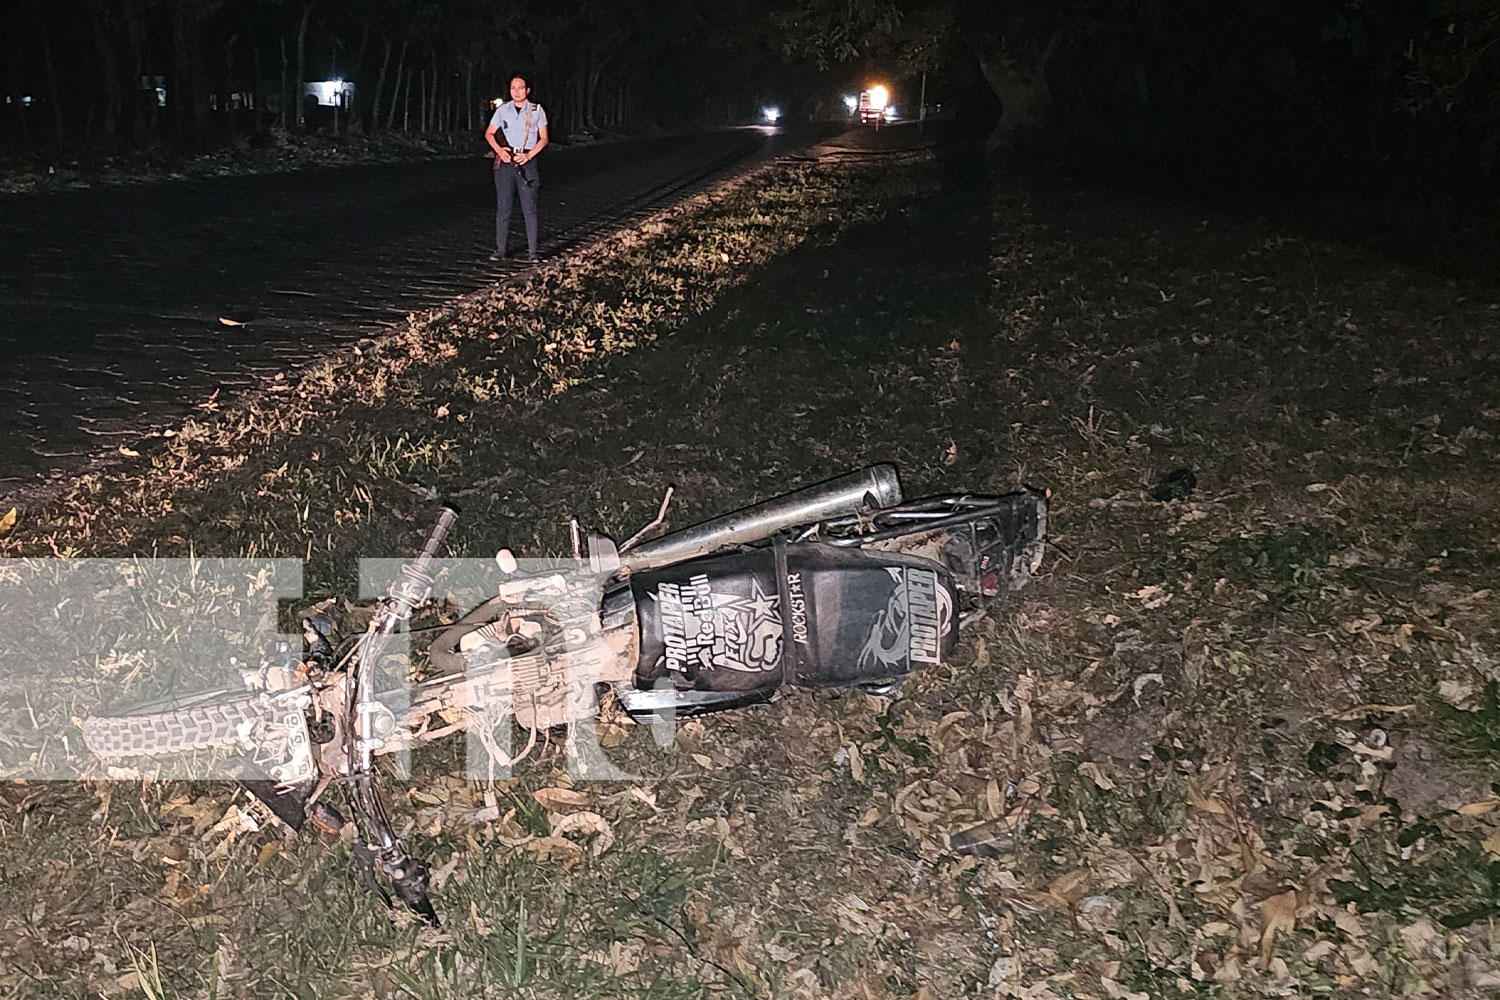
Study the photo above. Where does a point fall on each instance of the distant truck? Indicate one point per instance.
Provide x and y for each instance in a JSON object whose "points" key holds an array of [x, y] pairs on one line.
{"points": [[874, 107]]}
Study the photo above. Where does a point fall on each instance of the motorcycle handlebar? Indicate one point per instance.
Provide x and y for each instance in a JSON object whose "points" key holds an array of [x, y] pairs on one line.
{"points": [[435, 540]]}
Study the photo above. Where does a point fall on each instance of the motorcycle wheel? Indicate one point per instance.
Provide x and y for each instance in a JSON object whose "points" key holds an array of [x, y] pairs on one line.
{"points": [[201, 721]]}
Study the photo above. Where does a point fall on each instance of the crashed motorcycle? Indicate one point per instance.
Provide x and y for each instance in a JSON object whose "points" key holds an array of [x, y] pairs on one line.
{"points": [[839, 585]]}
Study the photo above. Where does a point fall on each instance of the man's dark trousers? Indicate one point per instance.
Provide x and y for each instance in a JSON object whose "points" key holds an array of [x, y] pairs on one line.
{"points": [[508, 182]]}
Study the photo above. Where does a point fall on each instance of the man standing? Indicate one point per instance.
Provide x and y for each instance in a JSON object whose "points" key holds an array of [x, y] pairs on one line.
{"points": [[523, 125]]}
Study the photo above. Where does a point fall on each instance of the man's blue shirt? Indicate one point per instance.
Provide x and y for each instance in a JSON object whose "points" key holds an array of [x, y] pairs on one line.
{"points": [[509, 119]]}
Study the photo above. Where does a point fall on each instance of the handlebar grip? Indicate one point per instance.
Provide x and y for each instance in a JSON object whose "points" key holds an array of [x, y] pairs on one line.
{"points": [[439, 533]]}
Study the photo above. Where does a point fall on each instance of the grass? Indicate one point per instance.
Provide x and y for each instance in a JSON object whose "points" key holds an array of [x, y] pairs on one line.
{"points": [[1241, 742]]}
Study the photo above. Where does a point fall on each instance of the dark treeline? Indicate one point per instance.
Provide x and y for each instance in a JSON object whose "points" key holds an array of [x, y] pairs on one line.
{"points": [[189, 74], [1406, 89], [1401, 89]]}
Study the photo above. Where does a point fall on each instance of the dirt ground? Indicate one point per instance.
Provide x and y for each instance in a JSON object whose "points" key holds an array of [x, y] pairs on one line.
{"points": [[1237, 742]]}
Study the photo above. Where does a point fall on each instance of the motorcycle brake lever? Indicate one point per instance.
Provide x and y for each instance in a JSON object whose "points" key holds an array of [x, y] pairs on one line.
{"points": [[409, 878], [366, 857]]}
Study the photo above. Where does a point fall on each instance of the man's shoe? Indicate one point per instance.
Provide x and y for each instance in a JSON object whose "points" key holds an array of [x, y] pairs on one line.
{"points": [[497, 256], [533, 258]]}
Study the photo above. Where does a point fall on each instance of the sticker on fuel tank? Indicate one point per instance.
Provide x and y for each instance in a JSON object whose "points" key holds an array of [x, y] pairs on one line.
{"points": [[912, 626], [922, 611], [704, 629]]}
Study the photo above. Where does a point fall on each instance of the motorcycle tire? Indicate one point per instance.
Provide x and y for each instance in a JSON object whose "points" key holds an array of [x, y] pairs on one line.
{"points": [[203, 721]]}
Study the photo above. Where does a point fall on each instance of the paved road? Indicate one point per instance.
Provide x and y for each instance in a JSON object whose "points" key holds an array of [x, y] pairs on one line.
{"points": [[110, 298]]}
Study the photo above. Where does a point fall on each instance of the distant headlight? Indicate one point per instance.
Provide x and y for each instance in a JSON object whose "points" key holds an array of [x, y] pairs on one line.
{"points": [[771, 114]]}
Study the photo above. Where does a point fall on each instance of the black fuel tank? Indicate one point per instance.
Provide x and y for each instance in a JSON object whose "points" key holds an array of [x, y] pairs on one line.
{"points": [[801, 613]]}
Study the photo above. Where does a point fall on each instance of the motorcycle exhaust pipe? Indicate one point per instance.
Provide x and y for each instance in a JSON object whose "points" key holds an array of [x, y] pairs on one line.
{"points": [[869, 488]]}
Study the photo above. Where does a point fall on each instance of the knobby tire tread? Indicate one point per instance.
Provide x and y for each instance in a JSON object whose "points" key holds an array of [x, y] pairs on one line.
{"points": [[196, 727]]}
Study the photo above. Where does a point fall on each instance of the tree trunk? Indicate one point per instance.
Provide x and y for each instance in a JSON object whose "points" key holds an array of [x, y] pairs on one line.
{"points": [[286, 88], [385, 64], [109, 66], [469, 95], [227, 107], [307, 9], [390, 118], [1021, 85], [406, 107], [434, 117], [194, 118], [591, 117], [359, 63], [142, 119], [49, 69], [18, 110]]}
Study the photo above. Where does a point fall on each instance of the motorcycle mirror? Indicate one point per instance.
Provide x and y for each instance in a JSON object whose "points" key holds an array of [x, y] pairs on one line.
{"points": [[604, 556]]}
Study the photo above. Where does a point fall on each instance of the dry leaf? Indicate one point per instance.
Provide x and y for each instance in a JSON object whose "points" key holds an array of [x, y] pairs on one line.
{"points": [[1418, 938], [1479, 808], [560, 799], [586, 823], [856, 764], [1065, 890], [129, 452], [442, 411], [1115, 991], [230, 322], [1207, 803], [1492, 843], [8, 523], [1373, 708], [1095, 773], [546, 848], [1278, 913], [1459, 694], [994, 799], [480, 926], [1319, 951]]}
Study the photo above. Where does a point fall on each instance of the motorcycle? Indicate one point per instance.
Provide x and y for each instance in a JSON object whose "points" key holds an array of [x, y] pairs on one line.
{"points": [[839, 585]]}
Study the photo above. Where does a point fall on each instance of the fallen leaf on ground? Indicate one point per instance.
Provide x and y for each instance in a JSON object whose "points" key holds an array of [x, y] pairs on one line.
{"points": [[586, 823], [1095, 773], [1456, 693], [1279, 913], [560, 799], [546, 848], [1115, 991], [1065, 890], [8, 523]]}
